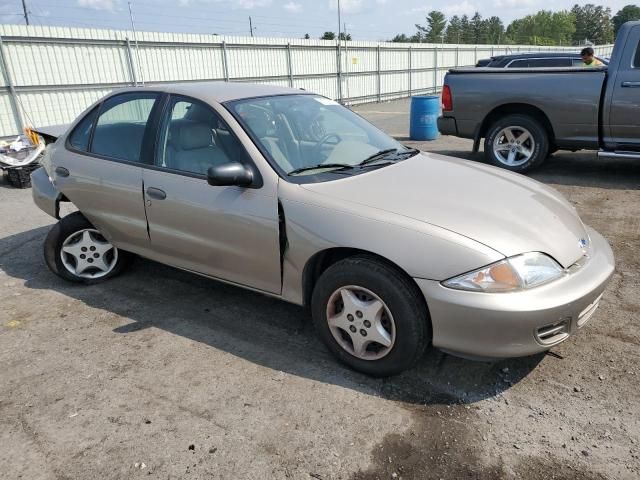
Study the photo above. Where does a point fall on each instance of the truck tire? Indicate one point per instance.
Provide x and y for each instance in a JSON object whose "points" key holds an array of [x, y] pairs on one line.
{"points": [[370, 316], [516, 142]]}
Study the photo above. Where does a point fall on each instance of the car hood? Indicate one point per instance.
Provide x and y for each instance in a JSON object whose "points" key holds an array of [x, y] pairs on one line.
{"points": [[507, 212]]}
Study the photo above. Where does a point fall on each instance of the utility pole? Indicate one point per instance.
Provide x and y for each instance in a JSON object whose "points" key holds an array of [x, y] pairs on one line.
{"points": [[250, 27], [135, 39], [26, 12]]}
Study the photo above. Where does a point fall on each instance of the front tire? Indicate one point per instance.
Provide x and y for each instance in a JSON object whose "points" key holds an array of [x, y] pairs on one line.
{"points": [[76, 251], [516, 142], [370, 316]]}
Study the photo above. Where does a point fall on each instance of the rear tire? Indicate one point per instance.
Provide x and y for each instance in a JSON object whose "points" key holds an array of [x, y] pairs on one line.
{"points": [[76, 251], [517, 143], [401, 323]]}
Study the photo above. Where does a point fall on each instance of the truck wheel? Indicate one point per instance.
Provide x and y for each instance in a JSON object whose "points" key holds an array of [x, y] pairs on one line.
{"points": [[517, 143], [76, 251], [370, 316]]}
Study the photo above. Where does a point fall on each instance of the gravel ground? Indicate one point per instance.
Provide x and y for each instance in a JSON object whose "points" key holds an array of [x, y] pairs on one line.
{"points": [[162, 374]]}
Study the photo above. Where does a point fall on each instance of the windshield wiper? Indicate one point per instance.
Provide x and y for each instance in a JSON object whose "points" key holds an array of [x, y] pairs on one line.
{"points": [[384, 153], [377, 156], [341, 166]]}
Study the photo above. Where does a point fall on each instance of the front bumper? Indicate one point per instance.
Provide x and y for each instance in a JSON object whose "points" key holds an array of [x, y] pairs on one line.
{"points": [[497, 325]]}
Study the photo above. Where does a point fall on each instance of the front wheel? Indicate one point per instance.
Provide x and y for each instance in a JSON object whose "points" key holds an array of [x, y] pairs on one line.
{"points": [[76, 251], [370, 316], [517, 143]]}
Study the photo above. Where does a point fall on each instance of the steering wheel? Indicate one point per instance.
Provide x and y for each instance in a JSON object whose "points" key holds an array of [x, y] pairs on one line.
{"points": [[323, 141]]}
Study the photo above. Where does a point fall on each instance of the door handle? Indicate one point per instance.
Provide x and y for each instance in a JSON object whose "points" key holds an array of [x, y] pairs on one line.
{"points": [[631, 84], [156, 193], [62, 172]]}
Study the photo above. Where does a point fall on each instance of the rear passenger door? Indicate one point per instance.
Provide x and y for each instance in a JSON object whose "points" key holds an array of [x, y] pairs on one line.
{"points": [[100, 170], [227, 232]]}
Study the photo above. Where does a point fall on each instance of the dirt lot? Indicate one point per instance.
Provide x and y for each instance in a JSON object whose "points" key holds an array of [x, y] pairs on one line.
{"points": [[161, 374]]}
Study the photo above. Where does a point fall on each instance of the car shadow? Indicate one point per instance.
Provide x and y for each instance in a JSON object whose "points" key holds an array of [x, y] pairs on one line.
{"points": [[257, 328]]}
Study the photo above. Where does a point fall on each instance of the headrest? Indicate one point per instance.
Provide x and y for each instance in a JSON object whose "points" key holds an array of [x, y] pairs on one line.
{"points": [[259, 123], [194, 135]]}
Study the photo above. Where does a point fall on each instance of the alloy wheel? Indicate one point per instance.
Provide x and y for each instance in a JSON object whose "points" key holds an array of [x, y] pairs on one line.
{"points": [[514, 146]]}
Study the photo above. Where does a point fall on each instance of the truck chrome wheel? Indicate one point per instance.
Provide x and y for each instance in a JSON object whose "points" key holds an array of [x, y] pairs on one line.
{"points": [[86, 254], [361, 323], [514, 146]]}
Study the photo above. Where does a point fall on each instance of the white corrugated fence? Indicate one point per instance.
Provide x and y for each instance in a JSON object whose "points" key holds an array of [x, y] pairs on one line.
{"points": [[51, 74]]}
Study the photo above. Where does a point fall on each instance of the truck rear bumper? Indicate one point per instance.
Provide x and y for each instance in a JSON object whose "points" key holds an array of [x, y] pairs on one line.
{"points": [[447, 125]]}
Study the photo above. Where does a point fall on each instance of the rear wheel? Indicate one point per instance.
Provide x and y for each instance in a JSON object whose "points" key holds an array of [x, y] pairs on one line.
{"points": [[76, 251], [517, 143], [370, 316]]}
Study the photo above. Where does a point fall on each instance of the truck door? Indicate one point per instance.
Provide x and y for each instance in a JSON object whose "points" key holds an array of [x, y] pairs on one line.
{"points": [[624, 109]]}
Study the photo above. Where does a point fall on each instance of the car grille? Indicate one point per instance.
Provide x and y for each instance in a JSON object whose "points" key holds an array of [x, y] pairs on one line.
{"points": [[553, 333]]}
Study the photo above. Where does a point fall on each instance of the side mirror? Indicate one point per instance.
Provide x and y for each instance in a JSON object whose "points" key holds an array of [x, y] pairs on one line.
{"points": [[230, 174]]}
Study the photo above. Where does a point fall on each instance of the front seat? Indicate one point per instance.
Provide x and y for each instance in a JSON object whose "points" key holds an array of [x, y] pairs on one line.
{"points": [[260, 126], [194, 150]]}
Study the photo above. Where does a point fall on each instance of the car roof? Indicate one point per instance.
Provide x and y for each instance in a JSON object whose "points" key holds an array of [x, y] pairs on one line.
{"points": [[536, 55], [219, 92]]}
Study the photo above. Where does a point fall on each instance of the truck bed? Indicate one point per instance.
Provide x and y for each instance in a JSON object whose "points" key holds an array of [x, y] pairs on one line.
{"points": [[569, 97]]}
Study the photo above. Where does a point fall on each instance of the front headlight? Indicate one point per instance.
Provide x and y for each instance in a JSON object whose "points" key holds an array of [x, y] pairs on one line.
{"points": [[516, 273]]}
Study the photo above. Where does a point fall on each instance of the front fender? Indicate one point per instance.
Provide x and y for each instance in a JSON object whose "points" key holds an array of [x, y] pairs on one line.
{"points": [[419, 249], [45, 195]]}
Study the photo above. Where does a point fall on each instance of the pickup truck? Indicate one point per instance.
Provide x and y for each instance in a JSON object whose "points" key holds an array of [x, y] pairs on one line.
{"points": [[526, 114]]}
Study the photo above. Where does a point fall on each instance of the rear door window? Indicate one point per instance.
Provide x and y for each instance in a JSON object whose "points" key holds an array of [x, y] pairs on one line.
{"points": [[519, 64], [550, 62], [121, 125]]}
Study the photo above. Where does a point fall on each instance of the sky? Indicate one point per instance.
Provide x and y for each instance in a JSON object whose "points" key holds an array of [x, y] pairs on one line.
{"points": [[364, 19]]}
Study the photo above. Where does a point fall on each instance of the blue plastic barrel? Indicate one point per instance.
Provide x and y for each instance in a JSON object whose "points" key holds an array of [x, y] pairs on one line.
{"points": [[423, 123]]}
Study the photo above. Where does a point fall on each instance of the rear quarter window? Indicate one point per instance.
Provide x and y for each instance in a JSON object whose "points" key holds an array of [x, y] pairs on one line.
{"points": [[636, 60], [79, 138]]}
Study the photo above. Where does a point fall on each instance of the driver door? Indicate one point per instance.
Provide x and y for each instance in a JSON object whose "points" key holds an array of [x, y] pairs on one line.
{"points": [[230, 233]]}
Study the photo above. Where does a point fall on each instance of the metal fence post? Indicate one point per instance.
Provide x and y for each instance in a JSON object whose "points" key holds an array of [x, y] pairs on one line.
{"points": [[132, 68], [379, 75], [410, 85], [457, 55], [435, 68], [289, 65], [476, 55], [17, 114], [225, 61], [339, 71]]}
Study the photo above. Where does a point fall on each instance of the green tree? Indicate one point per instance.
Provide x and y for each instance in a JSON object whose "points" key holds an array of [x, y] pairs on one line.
{"points": [[465, 28], [593, 24], [433, 32], [478, 32], [626, 14], [494, 29], [453, 34], [306, 36], [401, 38], [328, 36], [345, 37], [543, 28]]}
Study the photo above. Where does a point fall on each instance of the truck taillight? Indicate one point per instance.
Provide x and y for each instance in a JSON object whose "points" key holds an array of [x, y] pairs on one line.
{"points": [[447, 99]]}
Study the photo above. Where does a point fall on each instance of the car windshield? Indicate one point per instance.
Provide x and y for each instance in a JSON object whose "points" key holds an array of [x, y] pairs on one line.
{"points": [[308, 135]]}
